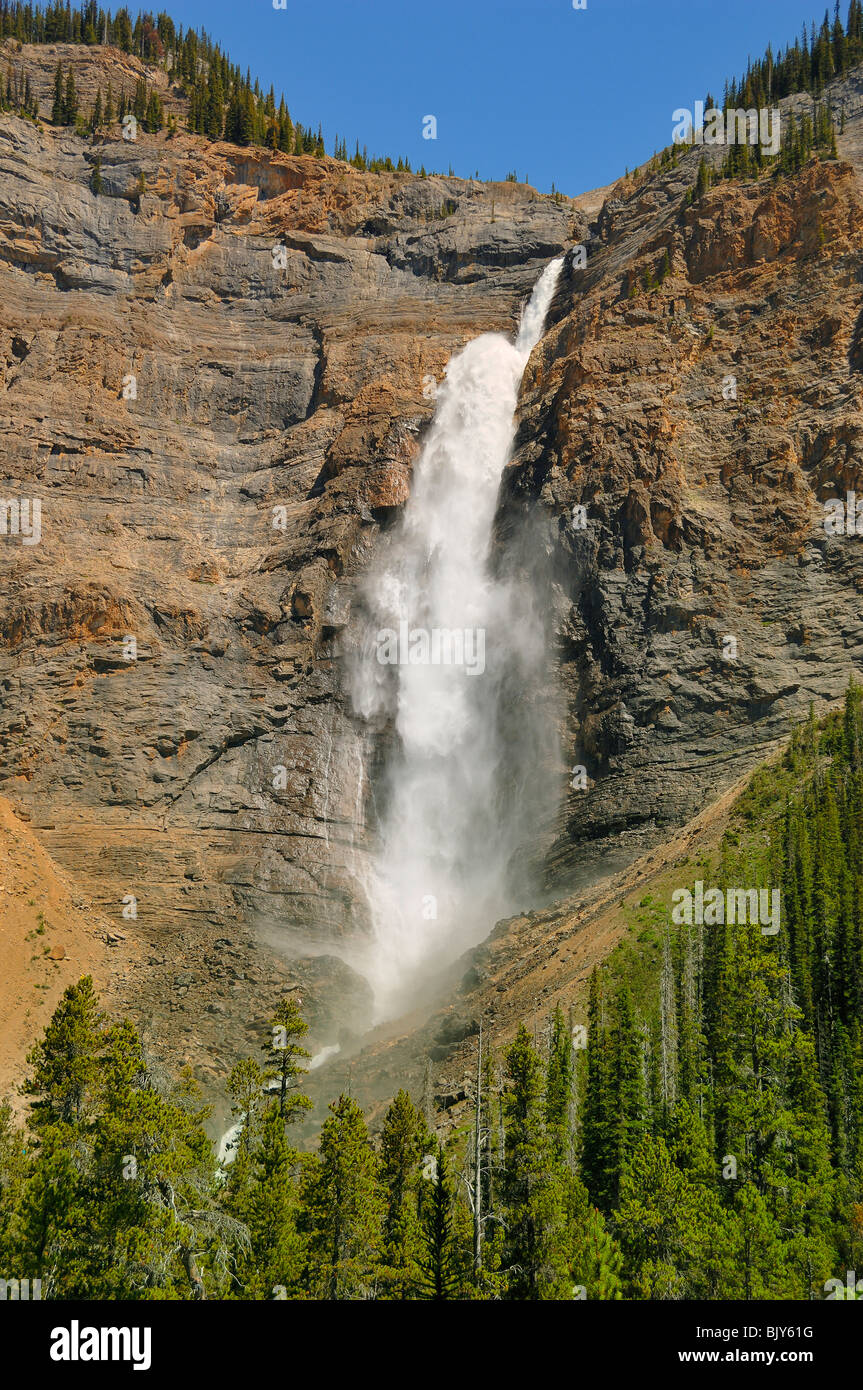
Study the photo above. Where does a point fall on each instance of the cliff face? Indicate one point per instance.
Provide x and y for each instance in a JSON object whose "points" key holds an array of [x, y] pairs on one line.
{"points": [[216, 387], [700, 604], [217, 431]]}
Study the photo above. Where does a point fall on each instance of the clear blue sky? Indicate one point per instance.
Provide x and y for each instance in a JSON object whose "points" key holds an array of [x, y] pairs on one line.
{"points": [[557, 94]]}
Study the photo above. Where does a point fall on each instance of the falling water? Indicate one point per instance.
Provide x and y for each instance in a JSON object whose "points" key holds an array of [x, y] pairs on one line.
{"points": [[452, 819]]}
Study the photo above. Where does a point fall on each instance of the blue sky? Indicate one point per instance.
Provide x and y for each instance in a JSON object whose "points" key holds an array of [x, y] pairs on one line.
{"points": [[556, 94]]}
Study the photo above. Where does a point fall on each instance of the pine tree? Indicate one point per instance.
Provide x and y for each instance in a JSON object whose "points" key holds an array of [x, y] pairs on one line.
{"points": [[246, 1089], [627, 1087], [668, 1028], [213, 118], [15, 1169], [532, 1187], [758, 1256], [65, 1062], [247, 119], [439, 1262], [601, 1264], [596, 1114], [405, 1144], [690, 1022], [343, 1208], [121, 1192], [70, 100], [286, 130], [702, 182], [284, 1053], [270, 1210], [153, 116], [672, 1231], [559, 1091], [58, 108]]}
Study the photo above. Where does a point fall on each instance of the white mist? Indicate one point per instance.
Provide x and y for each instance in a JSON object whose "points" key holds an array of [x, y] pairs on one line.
{"points": [[447, 834]]}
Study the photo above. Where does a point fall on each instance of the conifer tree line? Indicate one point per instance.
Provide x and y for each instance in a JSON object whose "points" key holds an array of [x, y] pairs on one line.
{"points": [[144, 103], [812, 133], [819, 55], [113, 1191], [704, 1144], [808, 133], [224, 102], [16, 94], [722, 1120], [806, 66]]}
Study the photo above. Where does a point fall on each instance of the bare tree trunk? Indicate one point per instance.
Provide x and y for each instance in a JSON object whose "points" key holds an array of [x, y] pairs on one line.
{"points": [[428, 1095], [195, 1280]]}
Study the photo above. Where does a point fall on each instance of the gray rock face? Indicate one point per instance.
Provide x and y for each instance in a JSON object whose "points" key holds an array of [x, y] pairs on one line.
{"points": [[215, 389], [698, 603]]}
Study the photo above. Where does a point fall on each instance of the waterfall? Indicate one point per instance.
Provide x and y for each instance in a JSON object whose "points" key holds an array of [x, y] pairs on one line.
{"points": [[442, 640]]}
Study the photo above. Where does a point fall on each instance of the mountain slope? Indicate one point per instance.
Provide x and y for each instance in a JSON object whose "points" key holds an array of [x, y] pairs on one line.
{"points": [[216, 377], [216, 510]]}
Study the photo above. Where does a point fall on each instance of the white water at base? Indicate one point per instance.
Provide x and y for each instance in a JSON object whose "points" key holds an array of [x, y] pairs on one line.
{"points": [[324, 1055], [226, 1150], [440, 877]]}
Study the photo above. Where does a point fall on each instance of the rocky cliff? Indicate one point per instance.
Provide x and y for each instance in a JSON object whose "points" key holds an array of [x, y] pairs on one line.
{"points": [[700, 603], [216, 373]]}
